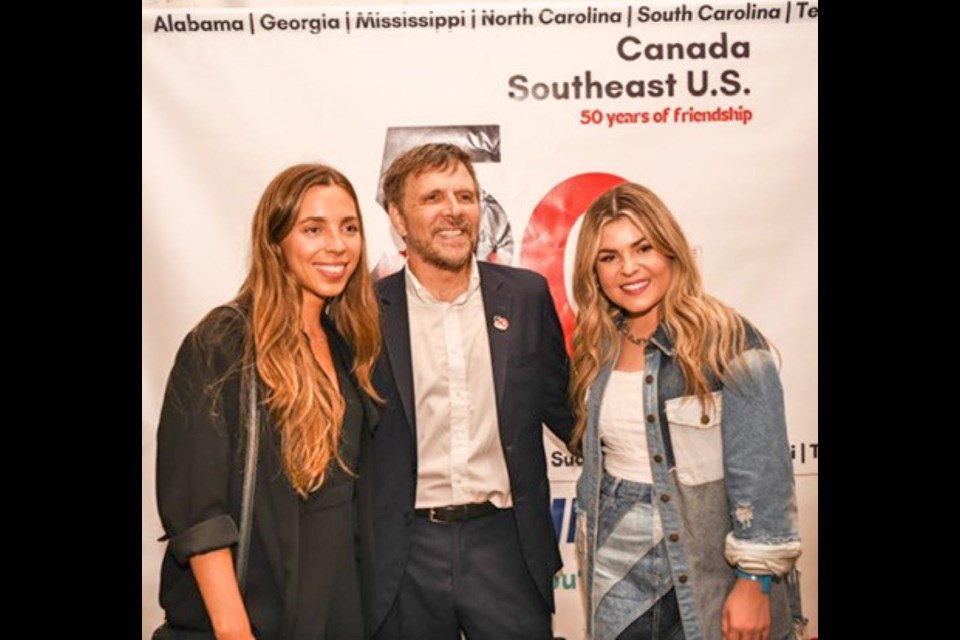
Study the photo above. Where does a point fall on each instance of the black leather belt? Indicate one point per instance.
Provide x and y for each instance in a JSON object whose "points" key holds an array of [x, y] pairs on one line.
{"points": [[457, 512]]}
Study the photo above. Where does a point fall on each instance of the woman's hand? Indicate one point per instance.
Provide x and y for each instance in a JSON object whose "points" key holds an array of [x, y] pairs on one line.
{"points": [[746, 614]]}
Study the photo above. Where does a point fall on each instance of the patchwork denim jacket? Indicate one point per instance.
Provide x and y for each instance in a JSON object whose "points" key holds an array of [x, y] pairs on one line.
{"points": [[723, 483]]}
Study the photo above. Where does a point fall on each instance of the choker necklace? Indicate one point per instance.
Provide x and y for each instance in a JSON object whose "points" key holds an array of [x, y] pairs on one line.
{"points": [[632, 338]]}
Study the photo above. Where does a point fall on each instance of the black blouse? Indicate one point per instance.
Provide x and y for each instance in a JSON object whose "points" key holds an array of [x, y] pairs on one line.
{"points": [[329, 601]]}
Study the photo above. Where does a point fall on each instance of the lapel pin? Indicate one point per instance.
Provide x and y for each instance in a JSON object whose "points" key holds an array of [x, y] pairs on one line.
{"points": [[501, 323]]}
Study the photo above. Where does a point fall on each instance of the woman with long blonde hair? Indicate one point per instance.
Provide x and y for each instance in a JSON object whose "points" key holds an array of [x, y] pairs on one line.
{"points": [[687, 524], [304, 326]]}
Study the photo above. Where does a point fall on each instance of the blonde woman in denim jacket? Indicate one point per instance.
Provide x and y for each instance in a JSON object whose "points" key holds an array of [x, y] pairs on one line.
{"points": [[687, 519]]}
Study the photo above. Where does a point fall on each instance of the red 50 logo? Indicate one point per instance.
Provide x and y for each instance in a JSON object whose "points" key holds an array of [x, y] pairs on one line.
{"points": [[545, 240]]}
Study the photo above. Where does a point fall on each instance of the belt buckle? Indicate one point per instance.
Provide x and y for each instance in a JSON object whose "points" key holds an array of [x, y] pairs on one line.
{"points": [[432, 516]]}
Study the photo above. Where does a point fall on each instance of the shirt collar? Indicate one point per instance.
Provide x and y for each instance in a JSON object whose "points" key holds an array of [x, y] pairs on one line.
{"points": [[416, 289], [662, 340]]}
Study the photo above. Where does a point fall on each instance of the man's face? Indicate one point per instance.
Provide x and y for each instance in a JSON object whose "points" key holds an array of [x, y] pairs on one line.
{"points": [[440, 217]]}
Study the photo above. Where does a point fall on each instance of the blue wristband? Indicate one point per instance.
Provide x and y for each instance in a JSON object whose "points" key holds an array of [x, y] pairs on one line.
{"points": [[765, 581]]}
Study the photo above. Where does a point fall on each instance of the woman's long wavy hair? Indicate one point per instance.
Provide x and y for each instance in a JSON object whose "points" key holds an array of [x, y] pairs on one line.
{"points": [[305, 406], [707, 334]]}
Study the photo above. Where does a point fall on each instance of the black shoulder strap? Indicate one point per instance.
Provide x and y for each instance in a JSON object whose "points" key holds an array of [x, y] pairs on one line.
{"points": [[248, 386]]}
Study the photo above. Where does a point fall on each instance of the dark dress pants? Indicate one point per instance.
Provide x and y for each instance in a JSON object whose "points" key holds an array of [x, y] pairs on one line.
{"points": [[467, 577]]}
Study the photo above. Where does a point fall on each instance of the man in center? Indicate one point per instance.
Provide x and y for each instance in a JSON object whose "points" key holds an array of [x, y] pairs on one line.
{"points": [[473, 365]]}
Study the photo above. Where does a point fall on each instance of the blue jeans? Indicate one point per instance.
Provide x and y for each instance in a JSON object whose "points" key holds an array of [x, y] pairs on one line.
{"points": [[660, 622], [637, 601]]}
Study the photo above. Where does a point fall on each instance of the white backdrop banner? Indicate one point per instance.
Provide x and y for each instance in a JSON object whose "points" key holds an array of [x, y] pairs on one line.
{"points": [[713, 106]]}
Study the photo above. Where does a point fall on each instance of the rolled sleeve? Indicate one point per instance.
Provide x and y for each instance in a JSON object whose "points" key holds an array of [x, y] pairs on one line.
{"points": [[758, 468], [198, 469], [762, 559], [216, 533]]}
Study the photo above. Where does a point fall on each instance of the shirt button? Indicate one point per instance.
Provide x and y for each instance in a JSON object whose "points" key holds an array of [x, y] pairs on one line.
{"points": [[704, 419], [682, 578], [658, 458], [650, 418], [649, 379], [674, 537], [665, 497]]}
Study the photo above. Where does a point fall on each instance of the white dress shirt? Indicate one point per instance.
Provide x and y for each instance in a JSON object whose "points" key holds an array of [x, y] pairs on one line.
{"points": [[460, 458]]}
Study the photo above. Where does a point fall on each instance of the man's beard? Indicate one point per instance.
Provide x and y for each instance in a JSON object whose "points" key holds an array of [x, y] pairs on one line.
{"points": [[426, 252]]}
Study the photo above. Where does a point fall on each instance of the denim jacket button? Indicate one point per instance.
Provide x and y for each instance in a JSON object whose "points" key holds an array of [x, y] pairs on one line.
{"points": [[665, 497], [682, 578], [657, 458], [674, 537], [649, 379], [650, 418]]}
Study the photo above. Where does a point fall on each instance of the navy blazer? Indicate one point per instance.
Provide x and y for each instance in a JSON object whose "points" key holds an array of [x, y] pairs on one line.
{"points": [[531, 374]]}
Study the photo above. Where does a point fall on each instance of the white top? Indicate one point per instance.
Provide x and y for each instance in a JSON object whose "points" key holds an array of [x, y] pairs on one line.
{"points": [[459, 455], [623, 433]]}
